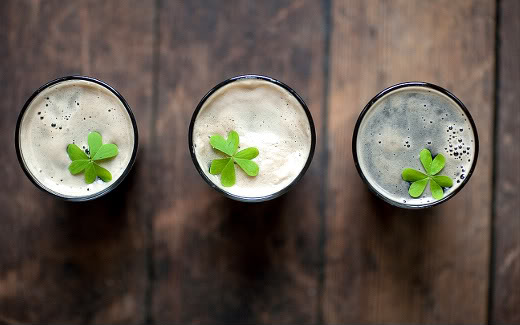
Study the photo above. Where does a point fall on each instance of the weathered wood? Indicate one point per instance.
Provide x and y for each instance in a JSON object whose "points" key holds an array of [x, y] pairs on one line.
{"points": [[388, 265], [506, 293], [220, 261], [62, 262]]}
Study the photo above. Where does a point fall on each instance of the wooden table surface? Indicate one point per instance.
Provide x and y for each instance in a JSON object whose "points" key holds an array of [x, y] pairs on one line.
{"points": [[165, 248]]}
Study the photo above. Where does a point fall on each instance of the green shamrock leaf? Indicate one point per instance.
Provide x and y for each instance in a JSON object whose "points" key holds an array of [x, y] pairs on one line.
{"points": [[217, 166], [412, 175], [443, 181], [226, 166], [420, 180], [229, 146], [228, 177], [426, 160], [94, 143], [77, 166], [75, 153], [90, 163], [417, 187]]}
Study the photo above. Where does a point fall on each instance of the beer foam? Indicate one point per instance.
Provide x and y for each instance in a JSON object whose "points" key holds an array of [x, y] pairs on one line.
{"points": [[66, 113], [265, 116], [402, 123]]}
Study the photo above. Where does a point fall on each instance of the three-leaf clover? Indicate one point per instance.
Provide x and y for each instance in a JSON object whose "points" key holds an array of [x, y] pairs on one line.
{"points": [[420, 180], [226, 166], [83, 162]]}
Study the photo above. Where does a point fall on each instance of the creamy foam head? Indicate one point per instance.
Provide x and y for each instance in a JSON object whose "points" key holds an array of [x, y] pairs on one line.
{"points": [[65, 113], [402, 123], [266, 116]]}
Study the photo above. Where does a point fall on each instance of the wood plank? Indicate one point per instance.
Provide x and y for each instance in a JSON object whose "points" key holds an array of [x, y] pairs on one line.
{"points": [[506, 293], [388, 265], [63, 262], [217, 260]]}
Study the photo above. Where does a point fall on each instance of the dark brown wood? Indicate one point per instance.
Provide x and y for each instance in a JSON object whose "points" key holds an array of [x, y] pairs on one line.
{"points": [[164, 247], [506, 275], [63, 262], [217, 260], [388, 265]]}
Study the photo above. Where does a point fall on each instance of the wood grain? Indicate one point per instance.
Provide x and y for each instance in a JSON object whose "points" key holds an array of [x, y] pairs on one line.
{"points": [[506, 293], [63, 262], [217, 260], [388, 265], [166, 248]]}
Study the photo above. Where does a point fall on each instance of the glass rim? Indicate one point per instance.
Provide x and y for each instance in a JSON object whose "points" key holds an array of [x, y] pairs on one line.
{"points": [[246, 198], [392, 89], [56, 194]]}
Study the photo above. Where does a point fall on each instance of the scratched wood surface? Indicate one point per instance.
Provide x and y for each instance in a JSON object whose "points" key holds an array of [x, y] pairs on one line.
{"points": [[506, 266], [165, 248]]}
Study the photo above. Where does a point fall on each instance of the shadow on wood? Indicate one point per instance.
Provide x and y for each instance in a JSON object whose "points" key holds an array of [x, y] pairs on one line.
{"points": [[252, 231]]}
